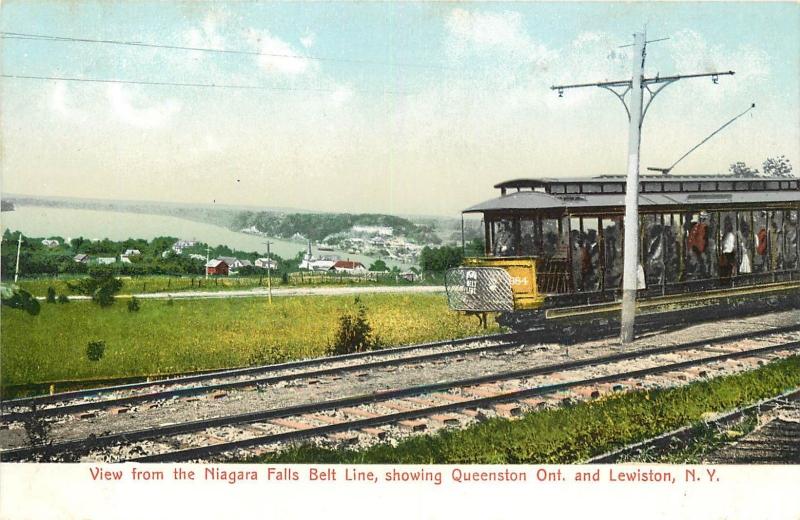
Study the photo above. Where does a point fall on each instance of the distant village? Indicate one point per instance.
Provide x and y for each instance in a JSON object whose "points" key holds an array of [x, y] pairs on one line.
{"points": [[324, 261], [375, 241]]}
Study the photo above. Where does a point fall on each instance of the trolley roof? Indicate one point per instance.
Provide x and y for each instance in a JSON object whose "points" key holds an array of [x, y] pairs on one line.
{"points": [[662, 191]]}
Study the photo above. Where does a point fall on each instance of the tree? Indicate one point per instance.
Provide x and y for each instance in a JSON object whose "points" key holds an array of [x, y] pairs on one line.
{"points": [[378, 265], [740, 169], [17, 298], [440, 259], [101, 285], [777, 167], [474, 247], [354, 333]]}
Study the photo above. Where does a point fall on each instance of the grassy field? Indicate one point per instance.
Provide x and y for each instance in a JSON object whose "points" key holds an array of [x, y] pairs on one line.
{"points": [[574, 433], [186, 335], [151, 284]]}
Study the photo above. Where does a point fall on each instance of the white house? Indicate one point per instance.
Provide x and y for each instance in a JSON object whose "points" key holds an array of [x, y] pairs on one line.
{"points": [[266, 263], [180, 245], [346, 266], [131, 252], [50, 243], [233, 262], [105, 260], [318, 264]]}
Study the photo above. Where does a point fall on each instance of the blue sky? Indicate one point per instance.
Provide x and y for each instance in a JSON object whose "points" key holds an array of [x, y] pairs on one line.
{"points": [[413, 108]]}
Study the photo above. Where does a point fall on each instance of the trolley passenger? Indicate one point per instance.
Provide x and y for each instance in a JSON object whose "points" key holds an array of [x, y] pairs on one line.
{"points": [[727, 259]]}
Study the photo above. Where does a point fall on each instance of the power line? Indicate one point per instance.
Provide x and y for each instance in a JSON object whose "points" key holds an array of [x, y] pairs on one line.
{"points": [[193, 85], [51, 38]]}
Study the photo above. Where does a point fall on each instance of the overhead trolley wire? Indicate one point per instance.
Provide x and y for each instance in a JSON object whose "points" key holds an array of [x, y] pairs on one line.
{"points": [[195, 85], [44, 37]]}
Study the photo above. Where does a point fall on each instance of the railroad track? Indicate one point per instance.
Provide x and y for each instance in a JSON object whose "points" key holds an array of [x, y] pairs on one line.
{"points": [[444, 403], [128, 394], [683, 436], [121, 396]]}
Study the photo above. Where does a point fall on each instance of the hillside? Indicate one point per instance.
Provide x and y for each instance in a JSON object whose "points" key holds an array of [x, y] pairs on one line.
{"points": [[318, 226]]}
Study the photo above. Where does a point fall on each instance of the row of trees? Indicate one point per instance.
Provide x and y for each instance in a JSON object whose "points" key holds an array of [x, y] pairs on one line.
{"points": [[317, 226], [38, 259], [440, 259], [771, 167]]}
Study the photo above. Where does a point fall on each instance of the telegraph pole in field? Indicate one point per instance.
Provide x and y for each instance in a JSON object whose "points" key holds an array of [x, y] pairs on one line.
{"points": [[269, 274], [19, 247], [636, 109], [208, 249]]}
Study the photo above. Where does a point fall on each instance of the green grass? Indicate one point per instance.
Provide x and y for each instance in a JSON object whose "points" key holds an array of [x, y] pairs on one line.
{"points": [[571, 434], [151, 284], [187, 335], [705, 439]]}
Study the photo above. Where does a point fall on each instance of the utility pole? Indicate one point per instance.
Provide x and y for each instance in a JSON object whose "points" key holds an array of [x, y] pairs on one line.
{"points": [[269, 274], [19, 247], [208, 249], [636, 109]]}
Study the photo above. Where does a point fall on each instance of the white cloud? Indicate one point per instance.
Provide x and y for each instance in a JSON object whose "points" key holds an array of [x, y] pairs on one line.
{"points": [[482, 32], [61, 103], [308, 40], [278, 57], [341, 96], [692, 53], [150, 117], [206, 35]]}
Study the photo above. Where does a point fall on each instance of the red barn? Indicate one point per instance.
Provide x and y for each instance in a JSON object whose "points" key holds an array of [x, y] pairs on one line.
{"points": [[218, 267]]}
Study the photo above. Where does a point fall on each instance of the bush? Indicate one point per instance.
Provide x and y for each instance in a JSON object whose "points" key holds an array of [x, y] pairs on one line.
{"points": [[101, 285], [133, 304], [354, 333], [170, 301], [63, 298], [95, 350], [17, 298], [51, 295]]}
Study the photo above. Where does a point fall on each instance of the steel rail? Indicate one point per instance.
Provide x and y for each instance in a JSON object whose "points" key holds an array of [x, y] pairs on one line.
{"points": [[83, 445], [269, 380], [204, 451], [685, 433], [182, 392], [80, 394]]}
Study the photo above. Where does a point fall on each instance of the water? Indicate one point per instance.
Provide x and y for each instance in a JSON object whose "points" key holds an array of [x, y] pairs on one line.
{"points": [[39, 221]]}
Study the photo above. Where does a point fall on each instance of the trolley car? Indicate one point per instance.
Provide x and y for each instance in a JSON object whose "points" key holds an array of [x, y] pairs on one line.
{"points": [[708, 244]]}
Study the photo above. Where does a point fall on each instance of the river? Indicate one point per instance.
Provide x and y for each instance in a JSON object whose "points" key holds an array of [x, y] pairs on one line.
{"points": [[41, 221]]}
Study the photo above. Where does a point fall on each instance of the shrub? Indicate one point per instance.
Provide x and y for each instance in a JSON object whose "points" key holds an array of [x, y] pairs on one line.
{"points": [[51, 295], [63, 298], [133, 304], [101, 285], [354, 333], [95, 350], [17, 298], [170, 301]]}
